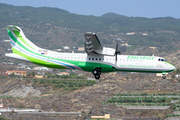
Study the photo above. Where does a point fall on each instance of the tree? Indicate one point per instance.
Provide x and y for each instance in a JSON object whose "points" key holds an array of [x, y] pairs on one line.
{"points": [[33, 73], [178, 71], [12, 74]]}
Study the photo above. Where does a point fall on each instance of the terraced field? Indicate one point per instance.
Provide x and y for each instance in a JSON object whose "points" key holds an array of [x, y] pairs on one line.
{"points": [[156, 100]]}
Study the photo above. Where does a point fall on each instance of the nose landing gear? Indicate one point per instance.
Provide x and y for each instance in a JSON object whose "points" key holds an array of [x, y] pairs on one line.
{"points": [[97, 72], [164, 76]]}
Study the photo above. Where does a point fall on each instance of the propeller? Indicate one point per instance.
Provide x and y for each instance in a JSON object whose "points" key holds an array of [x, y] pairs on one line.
{"points": [[117, 50]]}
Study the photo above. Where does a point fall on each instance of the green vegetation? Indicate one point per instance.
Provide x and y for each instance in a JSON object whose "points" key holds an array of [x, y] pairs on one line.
{"points": [[142, 104], [163, 33], [66, 84], [157, 100], [143, 99], [71, 76], [3, 118], [176, 107], [6, 97], [172, 115], [177, 71], [147, 94], [21, 106]]}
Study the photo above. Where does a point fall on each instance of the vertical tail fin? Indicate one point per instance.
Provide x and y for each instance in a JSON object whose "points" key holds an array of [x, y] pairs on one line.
{"points": [[18, 39]]}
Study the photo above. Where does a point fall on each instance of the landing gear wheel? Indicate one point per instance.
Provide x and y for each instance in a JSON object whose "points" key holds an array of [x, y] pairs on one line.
{"points": [[97, 76], [95, 72], [164, 77]]}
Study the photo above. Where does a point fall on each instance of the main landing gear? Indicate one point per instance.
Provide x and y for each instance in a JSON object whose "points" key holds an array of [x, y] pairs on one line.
{"points": [[97, 72]]}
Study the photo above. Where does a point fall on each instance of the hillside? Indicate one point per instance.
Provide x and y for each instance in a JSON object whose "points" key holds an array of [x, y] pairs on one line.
{"points": [[87, 99], [52, 28], [111, 15]]}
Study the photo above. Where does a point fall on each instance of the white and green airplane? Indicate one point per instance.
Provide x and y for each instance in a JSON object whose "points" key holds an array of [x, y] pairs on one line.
{"points": [[97, 59]]}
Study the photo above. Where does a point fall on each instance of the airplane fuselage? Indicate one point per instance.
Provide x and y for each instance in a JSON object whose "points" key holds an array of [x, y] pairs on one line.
{"points": [[97, 59], [82, 61]]}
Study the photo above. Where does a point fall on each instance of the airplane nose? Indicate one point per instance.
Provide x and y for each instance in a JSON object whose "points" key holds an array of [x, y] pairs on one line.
{"points": [[170, 66], [174, 68]]}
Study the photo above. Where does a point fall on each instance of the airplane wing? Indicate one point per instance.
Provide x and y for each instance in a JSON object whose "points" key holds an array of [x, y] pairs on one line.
{"points": [[93, 45]]}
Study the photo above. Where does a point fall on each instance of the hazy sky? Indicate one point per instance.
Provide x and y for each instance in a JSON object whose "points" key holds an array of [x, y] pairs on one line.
{"points": [[135, 8]]}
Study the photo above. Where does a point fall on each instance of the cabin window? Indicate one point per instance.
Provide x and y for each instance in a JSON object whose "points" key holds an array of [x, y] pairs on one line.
{"points": [[96, 59], [99, 59], [89, 58], [92, 58]]}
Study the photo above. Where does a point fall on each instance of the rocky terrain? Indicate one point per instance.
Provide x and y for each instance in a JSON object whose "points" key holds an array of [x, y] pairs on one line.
{"points": [[87, 100]]}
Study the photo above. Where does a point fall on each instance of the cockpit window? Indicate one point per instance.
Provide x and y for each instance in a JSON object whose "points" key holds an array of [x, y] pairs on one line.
{"points": [[162, 60]]}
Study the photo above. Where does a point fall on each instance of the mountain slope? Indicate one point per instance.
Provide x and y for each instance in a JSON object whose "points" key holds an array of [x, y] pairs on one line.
{"points": [[46, 25]]}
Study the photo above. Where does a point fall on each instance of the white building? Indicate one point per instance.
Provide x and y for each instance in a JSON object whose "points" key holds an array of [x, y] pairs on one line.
{"points": [[63, 73], [66, 47], [6, 40], [145, 34], [41, 68]]}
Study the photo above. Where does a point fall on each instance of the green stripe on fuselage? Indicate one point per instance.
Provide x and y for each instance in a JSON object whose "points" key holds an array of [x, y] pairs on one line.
{"points": [[86, 66], [169, 63], [38, 61], [17, 33]]}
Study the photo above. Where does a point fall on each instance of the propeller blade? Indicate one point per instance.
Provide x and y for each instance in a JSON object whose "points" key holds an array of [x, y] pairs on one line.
{"points": [[117, 50], [116, 59], [116, 46]]}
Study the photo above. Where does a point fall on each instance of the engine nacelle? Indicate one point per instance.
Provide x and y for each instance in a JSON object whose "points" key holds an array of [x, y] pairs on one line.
{"points": [[106, 51]]}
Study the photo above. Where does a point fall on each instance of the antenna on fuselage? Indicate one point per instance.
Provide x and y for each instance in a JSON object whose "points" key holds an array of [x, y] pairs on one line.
{"points": [[117, 49]]}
